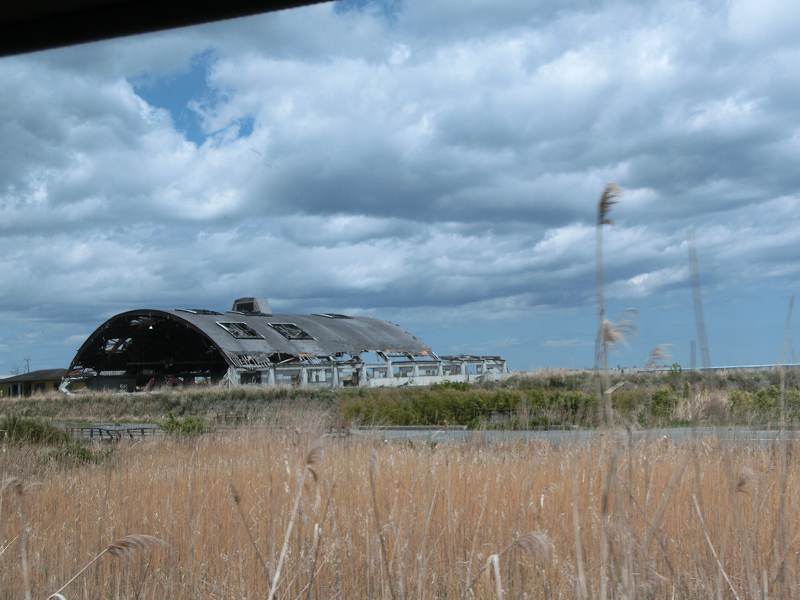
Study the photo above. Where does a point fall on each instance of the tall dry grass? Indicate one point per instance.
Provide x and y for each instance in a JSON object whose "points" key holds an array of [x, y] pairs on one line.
{"points": [[607, 200], [610, 518]]}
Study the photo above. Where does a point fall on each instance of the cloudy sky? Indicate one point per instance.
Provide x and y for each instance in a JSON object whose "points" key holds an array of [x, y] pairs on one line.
{"points": [[437, 164]]}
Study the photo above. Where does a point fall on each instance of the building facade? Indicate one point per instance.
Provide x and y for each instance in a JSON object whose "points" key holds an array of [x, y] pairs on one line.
{"points": [[29, 384], [141, 349]]}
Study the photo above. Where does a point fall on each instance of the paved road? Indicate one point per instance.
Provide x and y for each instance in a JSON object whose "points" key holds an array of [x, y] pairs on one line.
{"points": [[428, 434], [675, 434]]}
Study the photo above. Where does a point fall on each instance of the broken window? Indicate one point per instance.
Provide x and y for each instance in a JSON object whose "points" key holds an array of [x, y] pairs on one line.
{"points": [[319, 375], [250, 378], [251, 359], [117, 345], [287, 376], [241, 331], [451, 369], [291, 331]]}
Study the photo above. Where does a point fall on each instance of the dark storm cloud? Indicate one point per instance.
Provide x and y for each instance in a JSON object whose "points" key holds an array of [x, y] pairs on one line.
{"points": [[424, 155], [653, 108]]}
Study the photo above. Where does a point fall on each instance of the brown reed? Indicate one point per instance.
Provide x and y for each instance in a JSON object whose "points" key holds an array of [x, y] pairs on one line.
{"points": [[614, 514]]}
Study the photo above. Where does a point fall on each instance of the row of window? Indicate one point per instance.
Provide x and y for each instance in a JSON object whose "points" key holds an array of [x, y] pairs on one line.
{"points": [[243, 331], [247, 308]]}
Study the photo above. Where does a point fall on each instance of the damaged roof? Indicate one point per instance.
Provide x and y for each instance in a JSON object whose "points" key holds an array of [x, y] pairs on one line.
{"points": [[297, 335]]}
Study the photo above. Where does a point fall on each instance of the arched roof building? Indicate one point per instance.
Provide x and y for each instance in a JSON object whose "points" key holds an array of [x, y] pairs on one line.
{"points": [[140, 349]]}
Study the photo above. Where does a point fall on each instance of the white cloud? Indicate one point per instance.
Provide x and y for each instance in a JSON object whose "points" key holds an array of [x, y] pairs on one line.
{"points": [[76, 339], [445, 159]]}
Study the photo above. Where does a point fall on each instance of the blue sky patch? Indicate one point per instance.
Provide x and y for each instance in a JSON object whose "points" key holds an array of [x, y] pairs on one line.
{"points": [[175, 92], [387, 8]]}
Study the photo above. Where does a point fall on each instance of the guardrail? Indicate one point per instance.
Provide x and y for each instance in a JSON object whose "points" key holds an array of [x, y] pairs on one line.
{"points": [[113, 433]]}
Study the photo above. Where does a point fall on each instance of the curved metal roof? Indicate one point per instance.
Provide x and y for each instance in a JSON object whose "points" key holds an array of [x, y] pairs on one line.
{"points": [[329, 335]]}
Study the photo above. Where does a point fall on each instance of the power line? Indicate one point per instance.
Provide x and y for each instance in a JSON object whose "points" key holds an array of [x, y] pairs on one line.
{"points": [[699, 319]]}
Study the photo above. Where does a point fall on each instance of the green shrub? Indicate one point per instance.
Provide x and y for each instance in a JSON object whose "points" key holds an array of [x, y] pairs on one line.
{"points": [[32, 431], [452, 385], [662, 404], [186, 426], [548, 399], [469, 405], [630, 403], [767, 401], [60, 446], [741, 403]]}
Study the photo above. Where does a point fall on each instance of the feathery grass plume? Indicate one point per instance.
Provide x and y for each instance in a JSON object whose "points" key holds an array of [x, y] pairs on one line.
{"points": [[121, 548], [607, 200], [618, 332], [658, 355], [124, 547], [744, 479], [611, 333], [538, 545], [313, 458]]}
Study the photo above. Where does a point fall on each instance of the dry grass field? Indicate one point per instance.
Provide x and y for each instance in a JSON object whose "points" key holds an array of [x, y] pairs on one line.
{"points": [[256, 513], [544, 399]]}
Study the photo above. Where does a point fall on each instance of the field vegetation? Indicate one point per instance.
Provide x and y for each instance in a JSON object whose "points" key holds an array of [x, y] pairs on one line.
{"points": [[264, 513], [550, 399]]}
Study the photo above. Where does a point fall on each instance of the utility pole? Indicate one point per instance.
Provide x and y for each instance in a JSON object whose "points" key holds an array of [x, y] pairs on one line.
{"points": [[693, 356], [27, 364], [698, 302]]}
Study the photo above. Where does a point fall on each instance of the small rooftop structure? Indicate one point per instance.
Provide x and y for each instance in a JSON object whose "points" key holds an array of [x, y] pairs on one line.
{"points": [[34, 382], [141, 349]]}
